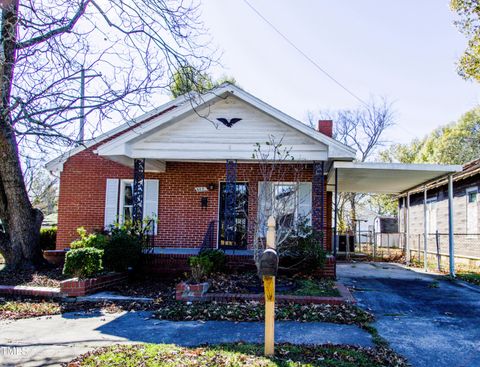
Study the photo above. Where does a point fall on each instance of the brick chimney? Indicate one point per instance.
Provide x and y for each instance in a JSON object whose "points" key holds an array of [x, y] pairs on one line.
{"points": [[325, 127]]}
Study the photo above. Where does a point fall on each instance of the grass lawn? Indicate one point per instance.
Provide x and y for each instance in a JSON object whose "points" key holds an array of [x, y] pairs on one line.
{"points": [[235, 355], [470, 277], [319, 288]]}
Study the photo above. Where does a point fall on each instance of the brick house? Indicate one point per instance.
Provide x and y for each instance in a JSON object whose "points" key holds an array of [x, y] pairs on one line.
{"points": [[189, 165], [182, 158]]}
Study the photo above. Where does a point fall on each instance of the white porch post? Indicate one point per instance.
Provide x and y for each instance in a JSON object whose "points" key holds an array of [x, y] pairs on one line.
{"points": [[451, 246], [425, 229], [407, 242]]}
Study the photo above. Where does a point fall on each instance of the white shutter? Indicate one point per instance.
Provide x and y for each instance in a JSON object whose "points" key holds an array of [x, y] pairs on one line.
{"points": [[264, 205], [150, 202], [111, 201], [305, 201]]}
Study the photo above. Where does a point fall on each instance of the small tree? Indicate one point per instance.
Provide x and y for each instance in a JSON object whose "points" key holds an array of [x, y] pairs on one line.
{"points": [[280, 194]]}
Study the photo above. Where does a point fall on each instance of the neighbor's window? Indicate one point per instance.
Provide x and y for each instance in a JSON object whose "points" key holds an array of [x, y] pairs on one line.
{"points": [[472, 211], [126, 201]]}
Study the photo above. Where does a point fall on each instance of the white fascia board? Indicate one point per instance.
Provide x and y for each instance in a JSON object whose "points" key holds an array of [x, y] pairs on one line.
{"points": [[335, 148], [114, 146], [399, 166], [56, 164]]}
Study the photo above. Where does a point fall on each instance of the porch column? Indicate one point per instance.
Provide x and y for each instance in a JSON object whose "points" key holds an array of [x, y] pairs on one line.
{"points": [[138, 190], [451, 244], [425, 229], [407, 225], [318, 200], [335, 235]]}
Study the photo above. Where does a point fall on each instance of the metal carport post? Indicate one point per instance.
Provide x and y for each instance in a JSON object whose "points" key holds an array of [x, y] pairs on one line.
{"points": [[451, 246]]}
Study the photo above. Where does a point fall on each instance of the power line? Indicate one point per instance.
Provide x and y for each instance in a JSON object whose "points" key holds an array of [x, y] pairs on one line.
{"points": [[304, 54], [313, 61]]}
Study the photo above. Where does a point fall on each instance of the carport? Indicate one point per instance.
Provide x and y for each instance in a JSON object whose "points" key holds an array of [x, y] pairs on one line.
{"points": [[392, 178]]}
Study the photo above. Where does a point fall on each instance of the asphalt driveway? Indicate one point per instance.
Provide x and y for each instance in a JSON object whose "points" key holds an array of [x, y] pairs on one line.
{"points": [[431, 321]]}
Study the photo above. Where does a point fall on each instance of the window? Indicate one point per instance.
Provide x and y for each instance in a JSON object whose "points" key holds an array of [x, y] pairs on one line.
{"points": [[472, 197], [285, 198], [119, 201], [126, 201], [288, 202], [432, 215], [472, 210]]}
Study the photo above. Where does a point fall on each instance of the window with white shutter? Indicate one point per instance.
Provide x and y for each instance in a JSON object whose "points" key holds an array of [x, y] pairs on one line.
{"points": [[120, 209]]}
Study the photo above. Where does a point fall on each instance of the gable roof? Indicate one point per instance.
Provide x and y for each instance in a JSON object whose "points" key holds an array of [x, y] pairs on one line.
{"points": [[191, 103]]}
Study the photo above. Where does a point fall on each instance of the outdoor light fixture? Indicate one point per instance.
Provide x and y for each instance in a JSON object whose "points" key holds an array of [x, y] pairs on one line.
{"points": [[204, 202], [211, 186]]}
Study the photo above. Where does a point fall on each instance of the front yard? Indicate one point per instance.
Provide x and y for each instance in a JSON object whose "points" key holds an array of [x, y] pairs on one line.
{"points": [[239, 354]]}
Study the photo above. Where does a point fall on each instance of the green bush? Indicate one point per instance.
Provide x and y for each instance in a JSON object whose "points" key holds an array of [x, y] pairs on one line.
{"points": [[217, 257], [302, 251], [83, 262], [200, 267], [123, 250], [48, 238], [96, 240]]}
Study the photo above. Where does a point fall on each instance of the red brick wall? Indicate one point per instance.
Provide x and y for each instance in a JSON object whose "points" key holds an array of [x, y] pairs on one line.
{"points": [[182, 222]]}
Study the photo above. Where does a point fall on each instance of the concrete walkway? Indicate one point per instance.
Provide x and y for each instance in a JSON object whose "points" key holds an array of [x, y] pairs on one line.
{"points": [[48, 341], [429, 320]]}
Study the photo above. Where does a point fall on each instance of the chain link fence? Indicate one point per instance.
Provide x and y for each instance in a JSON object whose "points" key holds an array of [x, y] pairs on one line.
{"points": [[392, 247]]}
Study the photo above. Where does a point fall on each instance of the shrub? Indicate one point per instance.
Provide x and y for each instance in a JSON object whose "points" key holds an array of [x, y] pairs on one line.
{"points": [[83, 262], [96, 240], [217, 257], [200, 266], [123, 250], [48, 238], [302, 251]]}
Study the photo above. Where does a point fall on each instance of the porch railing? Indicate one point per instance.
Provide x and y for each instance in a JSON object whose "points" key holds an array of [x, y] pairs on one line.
{"points": [[209, 240], [149, 236]]}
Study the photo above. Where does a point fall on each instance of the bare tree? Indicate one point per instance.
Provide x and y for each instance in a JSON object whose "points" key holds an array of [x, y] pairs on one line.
{"points": [[363, 129], [280, 194], [128, 51]]}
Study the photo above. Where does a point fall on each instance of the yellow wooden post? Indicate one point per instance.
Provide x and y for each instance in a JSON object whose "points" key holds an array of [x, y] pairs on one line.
{"points": [[269, 288]]}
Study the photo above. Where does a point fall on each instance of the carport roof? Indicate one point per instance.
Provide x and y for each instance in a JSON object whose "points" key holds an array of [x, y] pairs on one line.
{"points": [[384, 178]]}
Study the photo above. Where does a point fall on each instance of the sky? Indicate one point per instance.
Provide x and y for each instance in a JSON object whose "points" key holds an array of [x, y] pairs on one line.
{"points": [[402, 50]]}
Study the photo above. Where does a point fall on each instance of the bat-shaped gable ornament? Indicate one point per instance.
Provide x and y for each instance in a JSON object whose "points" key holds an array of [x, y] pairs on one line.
{"points": [[228, 123]]}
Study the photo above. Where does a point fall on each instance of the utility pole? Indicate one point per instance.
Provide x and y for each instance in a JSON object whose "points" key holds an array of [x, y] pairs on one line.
{"points": [[81, 131]]}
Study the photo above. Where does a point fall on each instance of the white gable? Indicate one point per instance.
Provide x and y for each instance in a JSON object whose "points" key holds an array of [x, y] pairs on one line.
{"points": [[201, 136]]}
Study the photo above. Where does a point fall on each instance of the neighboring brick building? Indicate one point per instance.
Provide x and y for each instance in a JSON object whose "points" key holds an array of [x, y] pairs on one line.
{"points": [[187, 159]]}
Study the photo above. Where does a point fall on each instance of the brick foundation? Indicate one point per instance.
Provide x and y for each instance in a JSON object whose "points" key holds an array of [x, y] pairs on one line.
{"points": [[198, 294], [177, 264], [80, 287]]}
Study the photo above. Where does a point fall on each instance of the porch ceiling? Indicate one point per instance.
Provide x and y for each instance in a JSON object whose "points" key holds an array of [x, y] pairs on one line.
{"points": [[384, 178]]}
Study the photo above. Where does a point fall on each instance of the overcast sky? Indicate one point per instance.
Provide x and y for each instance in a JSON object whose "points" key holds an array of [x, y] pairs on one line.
{"points": [[404, 50]]}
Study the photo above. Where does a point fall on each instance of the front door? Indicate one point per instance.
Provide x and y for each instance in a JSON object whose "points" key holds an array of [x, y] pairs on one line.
{"points": [[240, 229]]}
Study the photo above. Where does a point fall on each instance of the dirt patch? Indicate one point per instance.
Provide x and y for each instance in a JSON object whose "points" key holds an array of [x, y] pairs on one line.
{"points": [[37, 278]]}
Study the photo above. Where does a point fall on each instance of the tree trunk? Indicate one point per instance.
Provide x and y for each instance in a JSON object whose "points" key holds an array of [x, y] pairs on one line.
{"points": [[20, 244]]}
